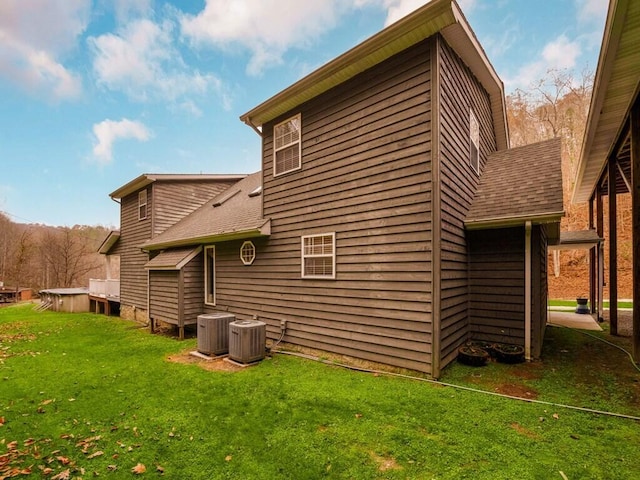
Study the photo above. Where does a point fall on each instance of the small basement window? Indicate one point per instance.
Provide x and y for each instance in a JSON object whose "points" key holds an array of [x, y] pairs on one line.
{"points": [[247, 253], [318, 256], [474, 142], [210, 275], [286, 146], [142, 204]]}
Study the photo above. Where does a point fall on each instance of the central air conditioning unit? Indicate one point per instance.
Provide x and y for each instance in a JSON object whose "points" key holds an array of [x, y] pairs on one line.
{"points": [[247, 340], [213, 332]]}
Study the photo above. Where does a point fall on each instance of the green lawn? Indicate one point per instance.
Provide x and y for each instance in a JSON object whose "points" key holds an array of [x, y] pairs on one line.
{"points": [[96, 396], [572, 303]]}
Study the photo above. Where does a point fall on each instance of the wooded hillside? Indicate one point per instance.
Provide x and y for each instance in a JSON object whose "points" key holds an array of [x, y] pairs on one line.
{"points": [[558, 106], [39, 256]]}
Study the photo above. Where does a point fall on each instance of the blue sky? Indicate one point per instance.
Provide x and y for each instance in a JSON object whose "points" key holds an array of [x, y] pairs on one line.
{"points": [[95, 93]]}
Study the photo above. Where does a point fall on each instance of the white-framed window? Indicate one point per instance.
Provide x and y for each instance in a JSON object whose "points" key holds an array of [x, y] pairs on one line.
{"points": [[142, 204], [474, 142], [287, 150], [247, 253], [210, 275], [319, 256]]}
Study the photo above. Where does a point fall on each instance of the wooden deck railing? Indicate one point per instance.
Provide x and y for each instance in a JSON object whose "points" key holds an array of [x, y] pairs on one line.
{"points": [[104, 288]]}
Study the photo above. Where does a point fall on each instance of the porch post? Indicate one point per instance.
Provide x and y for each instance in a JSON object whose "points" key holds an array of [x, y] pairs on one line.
{"points": [[635, 226], [600, 231], [592, 264], [613, 248]]}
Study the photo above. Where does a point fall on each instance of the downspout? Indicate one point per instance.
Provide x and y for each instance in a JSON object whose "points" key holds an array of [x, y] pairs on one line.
{"points": [[527, 291], [149, 300]]}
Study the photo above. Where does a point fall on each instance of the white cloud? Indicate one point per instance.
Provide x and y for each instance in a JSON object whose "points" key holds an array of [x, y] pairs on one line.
{"points": [[592, 10], [559, 54], [34, 34], [108, 132], [396, 9], [141, 61], [267, 29], [128, 9]]}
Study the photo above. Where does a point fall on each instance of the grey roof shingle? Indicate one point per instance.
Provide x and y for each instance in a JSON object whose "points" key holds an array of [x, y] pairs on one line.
{"points": [[579, 237], [236, 214], [172, 259], [519, 184]]}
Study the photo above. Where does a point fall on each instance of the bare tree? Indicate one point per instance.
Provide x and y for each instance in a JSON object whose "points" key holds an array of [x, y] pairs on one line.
{"points": [[67, 255]]}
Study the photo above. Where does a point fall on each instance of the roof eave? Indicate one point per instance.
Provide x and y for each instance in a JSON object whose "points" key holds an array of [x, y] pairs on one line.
{"points": [[178, 265], [436, 16], [147, 178], [109, 242], [513, 221], [263, 231], [590, 165]]}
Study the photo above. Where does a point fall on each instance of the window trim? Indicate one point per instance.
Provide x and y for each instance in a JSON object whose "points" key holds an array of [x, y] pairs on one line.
{"points": [[253, 253], [207, 249], [474, 141], [333, 256], [143, 201], [299, 142]]}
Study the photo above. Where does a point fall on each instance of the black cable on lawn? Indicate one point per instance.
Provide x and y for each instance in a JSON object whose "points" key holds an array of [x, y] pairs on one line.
{"points": [[459, 387]]}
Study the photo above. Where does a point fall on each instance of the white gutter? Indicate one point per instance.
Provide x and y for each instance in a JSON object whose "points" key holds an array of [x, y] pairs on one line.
{"points": [[527, 291]]}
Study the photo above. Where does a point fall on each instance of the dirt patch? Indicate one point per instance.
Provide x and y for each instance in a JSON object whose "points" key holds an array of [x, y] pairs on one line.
{"points": [[527, 371], [525, 431], [215, 365], [517, 390], [625, 322], [385, 463]]}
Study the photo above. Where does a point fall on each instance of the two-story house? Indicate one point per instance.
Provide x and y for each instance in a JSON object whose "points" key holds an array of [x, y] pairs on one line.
{"points": [[390, 221], [149, 204]]}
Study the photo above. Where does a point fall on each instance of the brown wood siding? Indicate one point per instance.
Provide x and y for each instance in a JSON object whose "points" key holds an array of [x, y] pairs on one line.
{"points": [[167, 202], [460, 91], [539, 253], [193, 285], [365, 176], [496, 276], [175, 200], [133, 233], [164, 296]]}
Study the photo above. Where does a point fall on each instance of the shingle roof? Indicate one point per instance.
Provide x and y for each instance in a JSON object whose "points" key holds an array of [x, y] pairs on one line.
{"points": [[232, 214], [517, 185], [173, 259], [149, 178], [578, 239]]}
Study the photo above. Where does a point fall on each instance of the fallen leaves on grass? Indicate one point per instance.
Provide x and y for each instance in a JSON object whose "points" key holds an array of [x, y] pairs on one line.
{"points": [[2, 421], [139, 469], [64, 475]]}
